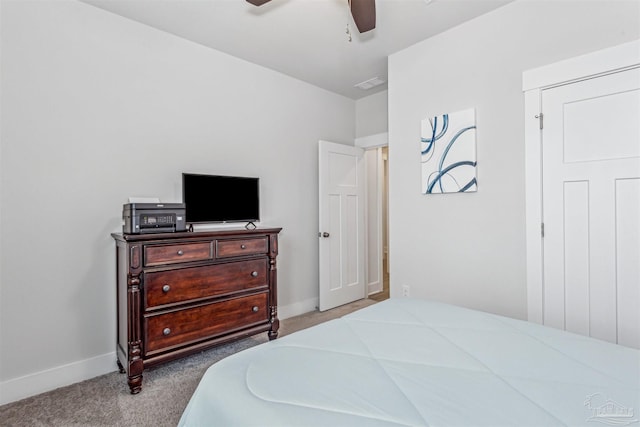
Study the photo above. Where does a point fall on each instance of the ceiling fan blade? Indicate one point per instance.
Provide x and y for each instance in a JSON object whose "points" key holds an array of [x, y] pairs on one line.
{"points": [[364, 14], [258, 2]]}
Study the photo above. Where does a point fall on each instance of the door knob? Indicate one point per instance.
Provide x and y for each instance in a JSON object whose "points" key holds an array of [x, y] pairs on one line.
{"points": [[325, 234]]}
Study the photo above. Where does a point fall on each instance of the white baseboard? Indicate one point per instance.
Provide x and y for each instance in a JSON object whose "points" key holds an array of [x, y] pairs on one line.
{"points": [[286, 311], [374, 287], [50, 379], [40, 382]]}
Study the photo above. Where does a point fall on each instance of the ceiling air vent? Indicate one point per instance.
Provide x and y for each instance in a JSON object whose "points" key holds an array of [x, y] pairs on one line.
{"points": [[368, 84]]}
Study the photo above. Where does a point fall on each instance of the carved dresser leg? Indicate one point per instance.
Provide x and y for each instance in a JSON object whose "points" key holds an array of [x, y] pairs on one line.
{"points": [[275, 324], [136, 366]]}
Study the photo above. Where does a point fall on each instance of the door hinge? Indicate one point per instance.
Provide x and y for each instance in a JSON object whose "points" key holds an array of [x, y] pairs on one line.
{"points": [[540, 118], [542, 229]]}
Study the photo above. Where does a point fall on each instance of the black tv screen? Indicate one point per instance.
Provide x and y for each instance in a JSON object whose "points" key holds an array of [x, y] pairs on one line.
{"points": [[217, 198]]}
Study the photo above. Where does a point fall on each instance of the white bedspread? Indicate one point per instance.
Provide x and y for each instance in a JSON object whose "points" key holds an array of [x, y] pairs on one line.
{"points": [[419, 363]]}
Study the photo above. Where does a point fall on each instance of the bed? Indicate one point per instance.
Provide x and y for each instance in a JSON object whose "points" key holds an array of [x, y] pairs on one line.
{"points": [[411, 362]]}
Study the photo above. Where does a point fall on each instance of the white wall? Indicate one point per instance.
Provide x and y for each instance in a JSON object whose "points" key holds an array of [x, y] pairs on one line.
{"points": [[469, 249], [371, 121], [97, 108], [372, 114]]}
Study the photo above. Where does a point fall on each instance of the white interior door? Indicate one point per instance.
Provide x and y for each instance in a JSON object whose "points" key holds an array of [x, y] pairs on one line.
{"points": [[591, 207], [341, 233]]}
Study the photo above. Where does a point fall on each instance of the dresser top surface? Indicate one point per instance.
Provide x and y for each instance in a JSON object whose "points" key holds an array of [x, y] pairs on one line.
{"points": [[224, 232]]}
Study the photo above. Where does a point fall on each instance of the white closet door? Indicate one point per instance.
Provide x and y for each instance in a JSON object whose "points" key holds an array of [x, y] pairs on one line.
{"points": [[591, 207]]}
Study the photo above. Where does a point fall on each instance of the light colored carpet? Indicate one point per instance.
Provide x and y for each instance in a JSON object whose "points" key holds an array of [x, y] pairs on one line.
{"points": [[166, 389]]}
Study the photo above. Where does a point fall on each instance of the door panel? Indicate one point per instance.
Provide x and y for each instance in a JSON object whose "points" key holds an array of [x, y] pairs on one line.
{"points": [[576, 237], [628, 260], [591, 163], [589, 125]]}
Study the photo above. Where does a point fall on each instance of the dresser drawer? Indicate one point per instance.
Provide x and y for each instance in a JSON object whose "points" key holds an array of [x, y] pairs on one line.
{"points": [[186, 326], [168, 254], [174, 286], [237, 247]]}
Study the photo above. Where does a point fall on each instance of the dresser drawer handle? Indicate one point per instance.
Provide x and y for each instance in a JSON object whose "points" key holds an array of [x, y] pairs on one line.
{"points": [[254, 274], [243, 246], [166, 288], [180, 252], [166, 331], [255, 309]]}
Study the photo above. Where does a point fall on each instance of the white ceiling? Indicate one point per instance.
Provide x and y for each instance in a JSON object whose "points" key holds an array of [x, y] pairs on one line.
{"points": [[305, 39]]}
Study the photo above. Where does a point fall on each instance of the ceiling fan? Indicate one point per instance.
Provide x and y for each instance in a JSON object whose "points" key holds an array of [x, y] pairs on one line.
{"points": [[363, 12]]}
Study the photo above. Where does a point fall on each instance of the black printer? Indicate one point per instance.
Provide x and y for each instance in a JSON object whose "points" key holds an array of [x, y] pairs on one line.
{"points": [[140, 218]]}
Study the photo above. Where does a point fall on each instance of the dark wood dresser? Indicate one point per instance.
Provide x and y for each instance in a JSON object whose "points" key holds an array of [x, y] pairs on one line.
{"points": [[180, 293]]}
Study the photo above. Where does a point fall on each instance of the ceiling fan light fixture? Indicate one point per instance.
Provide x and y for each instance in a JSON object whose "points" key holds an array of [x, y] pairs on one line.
{"points": [[371, 83]]}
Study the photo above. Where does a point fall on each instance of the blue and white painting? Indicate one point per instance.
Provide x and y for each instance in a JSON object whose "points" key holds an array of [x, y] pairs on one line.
{"points": [[448, 151]]}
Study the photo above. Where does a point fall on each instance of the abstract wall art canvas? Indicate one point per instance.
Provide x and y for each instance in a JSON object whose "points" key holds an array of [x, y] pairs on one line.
{"points": [[448, 152]]}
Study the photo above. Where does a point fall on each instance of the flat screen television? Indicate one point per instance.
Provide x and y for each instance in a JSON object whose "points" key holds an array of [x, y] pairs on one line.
{"points": [[220, 199]]}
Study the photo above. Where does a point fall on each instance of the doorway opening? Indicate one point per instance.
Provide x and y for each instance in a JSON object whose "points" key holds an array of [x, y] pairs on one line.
{"points": [[378, 279]]}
